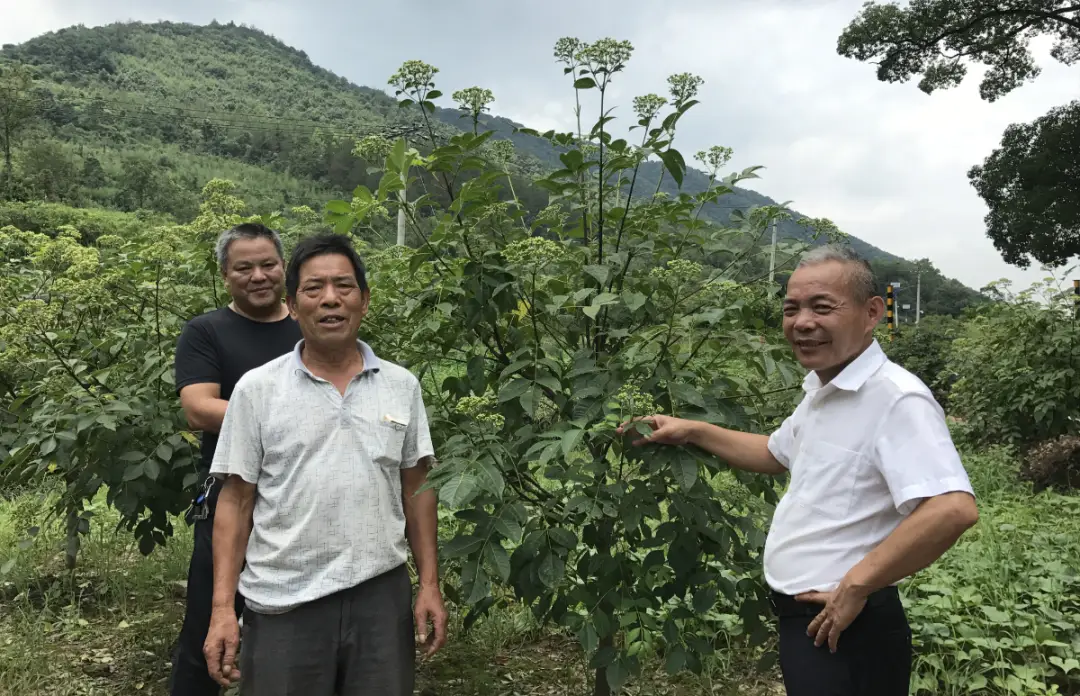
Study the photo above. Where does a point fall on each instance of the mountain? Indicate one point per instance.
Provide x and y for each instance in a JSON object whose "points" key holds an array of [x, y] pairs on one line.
{"points": [[139, 116]]}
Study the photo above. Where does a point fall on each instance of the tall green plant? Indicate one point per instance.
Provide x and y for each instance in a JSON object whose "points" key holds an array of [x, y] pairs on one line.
{"points": [[87, 335], [537, 337], [1017, 365]]}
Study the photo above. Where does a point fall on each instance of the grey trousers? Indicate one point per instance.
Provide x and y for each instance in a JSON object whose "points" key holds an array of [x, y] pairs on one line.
{"points": [[357, 642]]}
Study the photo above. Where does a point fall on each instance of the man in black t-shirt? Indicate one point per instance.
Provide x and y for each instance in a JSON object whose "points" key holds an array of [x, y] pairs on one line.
{"points": [[214, 351]]}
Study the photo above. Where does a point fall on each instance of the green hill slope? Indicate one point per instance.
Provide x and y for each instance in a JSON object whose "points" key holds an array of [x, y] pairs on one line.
{"points": [[135, 115]]}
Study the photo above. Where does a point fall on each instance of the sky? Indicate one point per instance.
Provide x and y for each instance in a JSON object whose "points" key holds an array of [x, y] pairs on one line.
{"points": [[885, 162]]}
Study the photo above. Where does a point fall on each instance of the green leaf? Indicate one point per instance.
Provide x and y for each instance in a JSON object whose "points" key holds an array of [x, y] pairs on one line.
{"points": [[563, 537], [617, 673], [599, 272], [687, 394], [685, 471], [190, 480], [458, 489], [165, 452], [462, 546], [133, 472], [489, 477], [588, 638], [675, 164], [633, 300], [8, 567], [592, 310], [509, 529], [513, 389], [152, 469], [132, 456], [48, 447], [551, 570], [704, 599], [584, 83], [339, 207], [477, 374], [499, 560], [570, 440], [676, 660]]}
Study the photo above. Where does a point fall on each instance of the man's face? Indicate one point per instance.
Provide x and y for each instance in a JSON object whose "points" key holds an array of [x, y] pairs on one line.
{"points": [[329, 304], [825, 324], [254, 274]]}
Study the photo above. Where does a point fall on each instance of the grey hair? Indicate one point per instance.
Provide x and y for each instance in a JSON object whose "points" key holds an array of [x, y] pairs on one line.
{"points": [[861, 276], [247, 230]]}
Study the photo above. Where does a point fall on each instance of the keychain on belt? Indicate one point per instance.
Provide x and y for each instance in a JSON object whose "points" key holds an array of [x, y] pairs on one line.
{"points": [[202, 506]]}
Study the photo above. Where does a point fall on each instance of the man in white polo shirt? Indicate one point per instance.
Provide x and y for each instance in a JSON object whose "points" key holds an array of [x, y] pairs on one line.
{"points": [[877, 489], [323, 451]]}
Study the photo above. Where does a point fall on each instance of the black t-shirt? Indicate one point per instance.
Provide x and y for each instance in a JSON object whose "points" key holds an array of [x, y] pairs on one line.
{"points": [[220, 346]]}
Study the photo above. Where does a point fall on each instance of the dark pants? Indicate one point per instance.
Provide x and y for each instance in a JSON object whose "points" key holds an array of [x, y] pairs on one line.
{"points": [[190, 676], [357, 642], [873, 655]]}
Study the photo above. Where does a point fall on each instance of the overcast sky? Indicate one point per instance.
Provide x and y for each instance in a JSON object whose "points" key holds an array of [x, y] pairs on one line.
{"points": [[887, 163]]}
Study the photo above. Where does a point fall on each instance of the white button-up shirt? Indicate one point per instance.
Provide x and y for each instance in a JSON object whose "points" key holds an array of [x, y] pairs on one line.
{"points": [[327, 468], [863, 451]]}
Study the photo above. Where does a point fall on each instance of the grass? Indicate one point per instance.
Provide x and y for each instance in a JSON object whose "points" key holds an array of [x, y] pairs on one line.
{"points": [[999, 614]]}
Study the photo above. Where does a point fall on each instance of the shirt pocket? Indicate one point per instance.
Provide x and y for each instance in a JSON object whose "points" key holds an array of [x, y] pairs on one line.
{"points": [[827, 475], [389, 441]]}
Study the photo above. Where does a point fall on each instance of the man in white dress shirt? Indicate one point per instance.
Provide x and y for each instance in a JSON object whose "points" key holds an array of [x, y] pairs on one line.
{"points": [[877, 488], [323, 451]]}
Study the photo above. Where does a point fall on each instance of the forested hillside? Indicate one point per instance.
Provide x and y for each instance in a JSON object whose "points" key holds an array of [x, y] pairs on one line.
{"points": [[140, 116]]}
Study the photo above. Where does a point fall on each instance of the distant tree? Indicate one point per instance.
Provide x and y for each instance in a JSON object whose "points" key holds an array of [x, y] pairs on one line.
{"points": [[16, 106], [937, 38], [50, 172], [93, 174], [1030, 185]]}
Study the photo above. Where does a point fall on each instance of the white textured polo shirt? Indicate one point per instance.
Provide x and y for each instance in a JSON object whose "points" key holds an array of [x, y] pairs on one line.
{"points": [[327, 468], [863, 451]]}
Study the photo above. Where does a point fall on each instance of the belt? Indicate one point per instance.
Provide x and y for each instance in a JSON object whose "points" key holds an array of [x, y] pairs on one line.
{"points": [[786, 605]]}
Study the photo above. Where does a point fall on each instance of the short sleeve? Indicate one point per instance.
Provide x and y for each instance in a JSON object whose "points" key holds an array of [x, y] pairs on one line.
{"points": [[197, 359], [915, 453], [417, 436], [239, 449], [782, 441]]}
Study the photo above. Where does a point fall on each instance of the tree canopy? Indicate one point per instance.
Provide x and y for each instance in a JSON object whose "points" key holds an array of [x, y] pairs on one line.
{"points": [[1032, 186], [938, 38]]}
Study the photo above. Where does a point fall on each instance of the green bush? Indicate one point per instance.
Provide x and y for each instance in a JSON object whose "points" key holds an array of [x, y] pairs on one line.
{"points": [[924, 348], [1017, 365]]}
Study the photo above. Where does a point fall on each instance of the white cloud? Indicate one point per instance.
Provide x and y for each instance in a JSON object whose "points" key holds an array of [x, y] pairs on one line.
{"points": [[886, 162]]}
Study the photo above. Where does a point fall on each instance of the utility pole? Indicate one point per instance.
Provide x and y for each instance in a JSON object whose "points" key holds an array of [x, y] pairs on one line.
{"points": [[772, 255], [896, 305], [918, 297], [402, 202]]}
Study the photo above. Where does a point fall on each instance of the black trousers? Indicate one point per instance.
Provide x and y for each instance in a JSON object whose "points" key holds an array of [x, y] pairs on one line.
{"points": [[190, 676], [356, 642], [873, 655]]}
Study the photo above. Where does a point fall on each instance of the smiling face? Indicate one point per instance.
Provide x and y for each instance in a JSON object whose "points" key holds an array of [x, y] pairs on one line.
{"points": [[254, 275], [329, 304], [826, 324]]}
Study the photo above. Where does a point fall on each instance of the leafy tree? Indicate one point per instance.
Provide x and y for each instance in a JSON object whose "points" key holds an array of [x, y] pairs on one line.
{"points": [[17, 106], [936, 38], [1029, 184], [535, 338]]}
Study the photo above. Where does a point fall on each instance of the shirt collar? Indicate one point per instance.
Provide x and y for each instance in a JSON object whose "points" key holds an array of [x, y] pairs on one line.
{"points": [[855, 375], [371, 361]]}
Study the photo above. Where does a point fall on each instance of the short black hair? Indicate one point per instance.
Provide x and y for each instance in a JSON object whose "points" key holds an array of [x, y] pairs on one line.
{"points": [[245, 230], [321, 245]]}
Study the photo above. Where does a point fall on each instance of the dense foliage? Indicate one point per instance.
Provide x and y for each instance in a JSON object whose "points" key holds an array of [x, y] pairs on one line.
{"points": [[1029, 184], [925, 349], [540, 336], [1017, 369]]}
